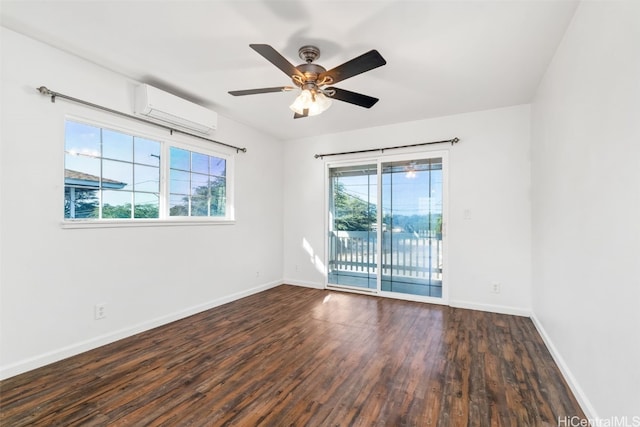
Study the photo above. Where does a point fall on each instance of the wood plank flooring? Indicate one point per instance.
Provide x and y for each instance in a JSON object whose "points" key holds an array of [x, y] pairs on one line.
{"points": [[294, 356]]}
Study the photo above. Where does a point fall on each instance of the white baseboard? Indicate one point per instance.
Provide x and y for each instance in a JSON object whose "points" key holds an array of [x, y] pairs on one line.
{"points": [[303, 283], [583, 401], [501, 309], [90, 344]]}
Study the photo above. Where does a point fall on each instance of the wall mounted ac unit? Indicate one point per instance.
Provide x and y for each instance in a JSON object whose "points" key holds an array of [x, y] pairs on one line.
{"points": [[174, 111]]}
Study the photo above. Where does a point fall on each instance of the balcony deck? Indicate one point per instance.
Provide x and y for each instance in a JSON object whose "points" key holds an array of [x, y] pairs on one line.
{"points": [[411, 262]]}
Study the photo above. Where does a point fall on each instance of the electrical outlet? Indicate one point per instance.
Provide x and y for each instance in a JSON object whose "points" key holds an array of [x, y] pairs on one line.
{"points": [[100, 311], [495, 287]]}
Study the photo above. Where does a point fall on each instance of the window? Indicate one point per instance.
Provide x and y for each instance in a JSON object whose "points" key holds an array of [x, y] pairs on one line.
{"points": [[113, 175], [197, 184]]}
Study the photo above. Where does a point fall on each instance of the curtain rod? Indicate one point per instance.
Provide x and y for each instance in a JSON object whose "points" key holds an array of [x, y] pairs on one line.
{"points": [[382, 150], [43, 90]]}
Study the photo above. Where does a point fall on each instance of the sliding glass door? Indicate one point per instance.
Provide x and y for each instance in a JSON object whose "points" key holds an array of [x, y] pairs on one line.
{"points": [[353, 226], [411, 255], [385, 226]]}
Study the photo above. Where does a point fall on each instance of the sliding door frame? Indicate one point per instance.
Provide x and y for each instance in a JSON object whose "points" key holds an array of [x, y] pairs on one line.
{"points": [[379, 160]]}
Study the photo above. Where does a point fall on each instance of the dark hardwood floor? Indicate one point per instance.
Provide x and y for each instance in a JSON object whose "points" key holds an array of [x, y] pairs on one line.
{"points": [[294, 356]]}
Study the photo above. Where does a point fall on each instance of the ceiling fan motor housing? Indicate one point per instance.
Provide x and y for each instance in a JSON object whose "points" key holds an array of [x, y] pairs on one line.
{"points": [[309, 53], [310, 72]]}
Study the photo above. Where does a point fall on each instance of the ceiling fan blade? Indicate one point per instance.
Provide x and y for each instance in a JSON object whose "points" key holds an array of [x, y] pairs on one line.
{"points": [[272, 55], [261, 90], [352, 97], [305, 113], [365, 62]]}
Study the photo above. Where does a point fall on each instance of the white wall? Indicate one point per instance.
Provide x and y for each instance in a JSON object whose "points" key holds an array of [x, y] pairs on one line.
{"points": [[489, 175], [51, 277], [586, 207]]}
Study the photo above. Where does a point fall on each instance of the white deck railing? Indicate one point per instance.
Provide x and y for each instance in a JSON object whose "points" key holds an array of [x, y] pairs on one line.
{"points": [[403, 254]]}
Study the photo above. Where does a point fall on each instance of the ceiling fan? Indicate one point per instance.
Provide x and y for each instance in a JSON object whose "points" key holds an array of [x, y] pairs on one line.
{"points": [[314, 81]]}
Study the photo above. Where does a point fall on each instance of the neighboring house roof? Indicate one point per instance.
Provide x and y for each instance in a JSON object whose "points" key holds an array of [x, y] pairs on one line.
{"points": [[86, 180]]}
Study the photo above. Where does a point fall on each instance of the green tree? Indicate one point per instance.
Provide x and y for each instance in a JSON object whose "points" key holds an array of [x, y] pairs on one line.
{"points": [[207, 200], [85, 203], [116, 211], [351, 212], [124, 211]]}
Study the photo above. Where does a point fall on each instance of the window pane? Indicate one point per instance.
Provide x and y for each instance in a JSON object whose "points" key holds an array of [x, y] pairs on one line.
{"points": [[82, 171], [80, 203], [217, 166], [147, 178], [199, 163], [353, 236], [116, 145], [81, 139], [117, 175], [179, 159], [146, 152], [179, 182], [202, 178], [199, 206], [147, 205], [178, 205], [116, 204], [200, 185], [412, 218], [218, 197]]}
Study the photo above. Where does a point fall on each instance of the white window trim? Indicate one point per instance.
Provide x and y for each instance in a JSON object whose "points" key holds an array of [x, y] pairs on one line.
{"points": [[125, 222], [103, 121]]}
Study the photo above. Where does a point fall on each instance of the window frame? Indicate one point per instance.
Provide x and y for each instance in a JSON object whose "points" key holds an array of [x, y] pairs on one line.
{"points": [[166, 140], [379, 160]]}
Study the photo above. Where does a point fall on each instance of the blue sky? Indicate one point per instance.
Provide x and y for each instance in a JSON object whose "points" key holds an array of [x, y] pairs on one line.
{"points": [[411, 196]]}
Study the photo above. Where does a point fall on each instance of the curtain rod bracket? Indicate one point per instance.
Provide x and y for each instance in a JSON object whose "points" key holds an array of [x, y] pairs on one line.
{"points": [[44, 91]]}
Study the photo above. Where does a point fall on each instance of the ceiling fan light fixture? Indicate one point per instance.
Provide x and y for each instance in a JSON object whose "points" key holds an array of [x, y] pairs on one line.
{"points": [[322, 103], [314, 102], [301, 102]]}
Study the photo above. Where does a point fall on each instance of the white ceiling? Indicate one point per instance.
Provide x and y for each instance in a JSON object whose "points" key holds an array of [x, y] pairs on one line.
{"points": [[443, 57]]}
